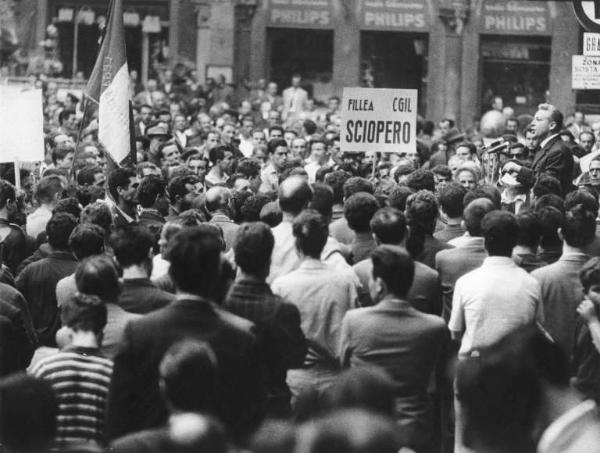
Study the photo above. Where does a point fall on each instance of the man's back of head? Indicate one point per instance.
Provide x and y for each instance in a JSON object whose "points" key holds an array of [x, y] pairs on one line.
{"points": [[579, 227], [451, 200], [59, 229], [195, 256], [530, 230], [86, 240], [322, 200], [357, 184], [500, 230], [394, 268], [188, 377], [48, 189], [359, 209], [97, 275], [150, 189], [217, 199], [311, 231], [294, 195], [253, 247], [474, 213], [389, 226], [132, 245]]}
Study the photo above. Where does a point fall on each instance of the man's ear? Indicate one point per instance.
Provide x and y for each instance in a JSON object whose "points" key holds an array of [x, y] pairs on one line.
{"points": [[560, 235]]}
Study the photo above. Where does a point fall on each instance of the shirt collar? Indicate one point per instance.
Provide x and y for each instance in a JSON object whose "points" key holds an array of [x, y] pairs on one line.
{"points": [[574, 256], [311, 263], [498, 260], [547, 140], [562, 423]]}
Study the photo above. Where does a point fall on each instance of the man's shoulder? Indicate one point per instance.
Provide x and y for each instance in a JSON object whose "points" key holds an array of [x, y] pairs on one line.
{"points": [[548, 272], [425, 272], [366, 265]]}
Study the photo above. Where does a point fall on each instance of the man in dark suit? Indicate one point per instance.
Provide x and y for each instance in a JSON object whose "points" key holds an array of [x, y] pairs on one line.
{"points": [[134, 398], [389, 227], [400, 339], [553, 157]]}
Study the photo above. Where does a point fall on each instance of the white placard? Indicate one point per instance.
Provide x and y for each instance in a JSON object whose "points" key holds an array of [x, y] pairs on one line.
{"points": [[585, 73], [21, 125], [591, 44], [379, 119]]}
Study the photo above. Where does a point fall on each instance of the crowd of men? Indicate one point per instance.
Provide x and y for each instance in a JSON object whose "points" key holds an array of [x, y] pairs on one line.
{"points": [[248, 286]]}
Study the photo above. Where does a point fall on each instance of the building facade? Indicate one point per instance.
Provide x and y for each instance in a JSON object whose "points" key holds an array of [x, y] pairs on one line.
{"points": [[459, 54]]}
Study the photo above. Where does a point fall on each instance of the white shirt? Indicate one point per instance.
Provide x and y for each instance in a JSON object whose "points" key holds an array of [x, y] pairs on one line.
{"points": [[492, 300], [37, 220], [466, 240], [564, 425], [246, 146]]}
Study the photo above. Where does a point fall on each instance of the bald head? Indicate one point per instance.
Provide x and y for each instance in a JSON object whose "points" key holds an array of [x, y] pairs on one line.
{"points": [[217, 198], [294, 195], [474, 214]]}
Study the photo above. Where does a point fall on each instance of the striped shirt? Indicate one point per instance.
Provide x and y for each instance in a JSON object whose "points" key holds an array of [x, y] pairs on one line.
{"points": [[80, 377]]}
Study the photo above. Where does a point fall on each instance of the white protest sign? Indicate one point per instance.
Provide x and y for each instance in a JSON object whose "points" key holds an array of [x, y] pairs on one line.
{"points": [[585, 73], [379, 119], [21, 125], [591, 44]]}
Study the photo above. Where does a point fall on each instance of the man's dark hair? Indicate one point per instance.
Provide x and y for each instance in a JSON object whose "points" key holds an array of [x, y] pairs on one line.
{"points": [[272, 145], [357, 184], [177, 186], [98, 213], [64, 115], [309, 126], [87, 173], [119, 177], [398, 196], [442, 170], [589, 274], [550, 199], [253, 247], [195, 256], [421, 180], [250, 210], [546, 184], [311, 231], [84, 312], [59, 228], [97, 275], [131, 245], [62, 151], [359, 210], [47, 188], [395, 267], [276, 128], [530, 230], [295, 200], [500, 230], [551, 220], [389, 226], [474, 213], [249, 168], [584, 198], [86, 240], [336, 180], [502, 392], [485, 191], [579, 227], [322, 200], [218, 153], [68, 205], [189, 375], [451, 200], [271, 214], [28, 413], [149, 190]]}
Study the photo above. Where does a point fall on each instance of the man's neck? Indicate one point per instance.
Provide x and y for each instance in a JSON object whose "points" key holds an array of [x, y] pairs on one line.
{"points": [[453, 221], [523, 250], [84, 339], [558, 402], [216, 171], [48, 206], [135, 272], [288, 217], [570, 249]]}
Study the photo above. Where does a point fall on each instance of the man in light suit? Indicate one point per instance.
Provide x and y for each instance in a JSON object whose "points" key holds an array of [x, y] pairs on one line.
{"points": [[403, 341], [295, 100]]}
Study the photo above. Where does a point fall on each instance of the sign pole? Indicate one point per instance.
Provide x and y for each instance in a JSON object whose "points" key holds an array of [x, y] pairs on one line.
{"points": [[17, 174]]}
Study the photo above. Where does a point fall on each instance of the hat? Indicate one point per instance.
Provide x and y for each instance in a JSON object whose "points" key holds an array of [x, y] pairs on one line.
{"points": [[453, 135], [158, 130]]}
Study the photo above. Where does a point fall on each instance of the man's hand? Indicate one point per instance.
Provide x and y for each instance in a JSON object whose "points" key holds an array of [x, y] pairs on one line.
{"points": [[511, 167], [587, 311]]}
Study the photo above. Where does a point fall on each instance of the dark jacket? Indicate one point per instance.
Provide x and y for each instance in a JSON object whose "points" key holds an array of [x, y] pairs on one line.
{"points": [[554, 159], [134, 401], [140, 295]]}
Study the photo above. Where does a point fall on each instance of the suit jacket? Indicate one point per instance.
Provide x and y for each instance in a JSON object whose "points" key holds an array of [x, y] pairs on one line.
{"points": [[228, 226], [453, 264], [562, 292], [134, 401], [554, 159], [425, 292], [407, 344]]}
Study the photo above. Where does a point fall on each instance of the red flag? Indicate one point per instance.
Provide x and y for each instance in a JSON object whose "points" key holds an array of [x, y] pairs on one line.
{"points": [[108, 86]]}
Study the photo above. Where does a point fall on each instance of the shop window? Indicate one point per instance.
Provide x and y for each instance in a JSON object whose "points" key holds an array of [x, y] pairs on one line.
{"points": [[517, 69], [307, 52], [395, 60]]}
